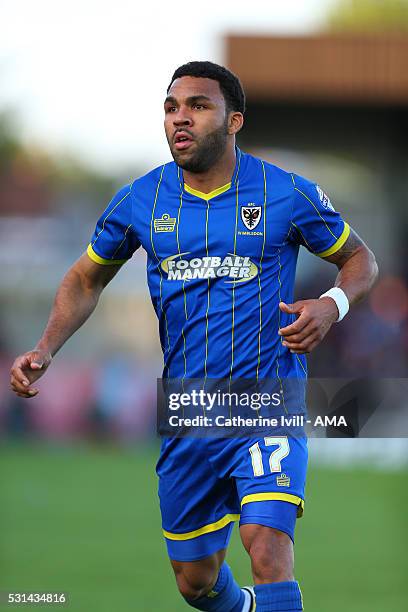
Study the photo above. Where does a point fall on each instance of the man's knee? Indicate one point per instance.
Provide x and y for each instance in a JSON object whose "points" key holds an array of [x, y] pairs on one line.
{"points": [[271, 553], [196, 578], [193, 587]]}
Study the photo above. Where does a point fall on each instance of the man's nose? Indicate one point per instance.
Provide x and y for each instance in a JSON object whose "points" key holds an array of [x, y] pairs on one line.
{"points": [[182, 117]]}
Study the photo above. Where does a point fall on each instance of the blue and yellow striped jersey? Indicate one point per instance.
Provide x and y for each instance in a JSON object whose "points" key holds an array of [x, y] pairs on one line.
{"points": [[219, 263]]}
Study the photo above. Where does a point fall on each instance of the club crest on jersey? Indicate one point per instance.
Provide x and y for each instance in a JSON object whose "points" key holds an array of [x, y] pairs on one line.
{"points": [[324, 198], [251, 215], [165, 223]]}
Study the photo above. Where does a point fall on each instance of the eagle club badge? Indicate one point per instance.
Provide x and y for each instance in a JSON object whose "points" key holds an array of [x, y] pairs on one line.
{"points": [[251, 215]]}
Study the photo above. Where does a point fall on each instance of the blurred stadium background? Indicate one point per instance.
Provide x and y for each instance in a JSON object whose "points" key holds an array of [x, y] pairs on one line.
{"points": [[327, 87]]}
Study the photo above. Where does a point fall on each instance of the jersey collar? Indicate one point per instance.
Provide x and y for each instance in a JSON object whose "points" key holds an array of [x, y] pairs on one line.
{"points": [[214, 192], [207, 196]]}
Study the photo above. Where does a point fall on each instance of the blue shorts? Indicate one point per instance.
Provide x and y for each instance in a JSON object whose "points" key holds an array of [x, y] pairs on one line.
{"points": [[207, 484]]}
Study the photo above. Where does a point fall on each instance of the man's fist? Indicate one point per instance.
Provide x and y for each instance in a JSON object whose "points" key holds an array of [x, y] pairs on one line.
{"points": [[26, 369], [314, 319]]}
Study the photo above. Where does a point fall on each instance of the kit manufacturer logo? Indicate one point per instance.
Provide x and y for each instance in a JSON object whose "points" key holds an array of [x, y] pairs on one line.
{"points": [[165, 223], [283, 480]]}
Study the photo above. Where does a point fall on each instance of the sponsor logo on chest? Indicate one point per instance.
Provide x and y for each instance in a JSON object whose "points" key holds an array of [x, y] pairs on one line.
{"points": [[233, 268]]}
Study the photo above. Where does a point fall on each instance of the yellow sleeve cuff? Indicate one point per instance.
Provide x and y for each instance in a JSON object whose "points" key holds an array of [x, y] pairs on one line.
{"points": [[100, 260], [338, 244]]}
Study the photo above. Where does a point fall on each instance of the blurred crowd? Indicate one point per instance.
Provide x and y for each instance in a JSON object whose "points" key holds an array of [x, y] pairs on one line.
{"points": [[112, 396], [113, 401], [102, 385]]}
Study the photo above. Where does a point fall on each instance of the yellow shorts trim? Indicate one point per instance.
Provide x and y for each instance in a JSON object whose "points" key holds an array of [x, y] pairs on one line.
{"points": [[100, 260], [228, 518], [338, 244], [287, 497]]}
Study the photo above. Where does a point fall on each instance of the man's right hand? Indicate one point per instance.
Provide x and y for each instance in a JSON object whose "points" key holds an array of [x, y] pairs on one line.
{"points": [[74, 302], [26, 369]]}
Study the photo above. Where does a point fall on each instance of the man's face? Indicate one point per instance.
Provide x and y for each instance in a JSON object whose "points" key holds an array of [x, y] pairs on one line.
{"points": [[196, 123]]}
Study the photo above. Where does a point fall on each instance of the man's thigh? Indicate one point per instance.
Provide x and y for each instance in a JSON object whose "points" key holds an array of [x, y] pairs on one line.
{"points": [[266, 470], [198, 508], [271, 487]]}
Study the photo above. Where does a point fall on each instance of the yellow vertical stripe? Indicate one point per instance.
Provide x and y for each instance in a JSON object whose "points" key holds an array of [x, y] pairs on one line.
{"points": [[233, 286], [208, 295], [338, 244], [279, 324], [260, 272], [108, 215], [158, 266], [184, 289], [340, 240], [303, 238], [124, 238], [238, 166], [101, 260], [311, 202], [301, 364]]}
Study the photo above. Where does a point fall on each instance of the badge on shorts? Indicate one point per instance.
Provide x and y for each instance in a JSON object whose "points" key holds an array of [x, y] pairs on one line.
{"points": [[283, 480], [251, 215]]}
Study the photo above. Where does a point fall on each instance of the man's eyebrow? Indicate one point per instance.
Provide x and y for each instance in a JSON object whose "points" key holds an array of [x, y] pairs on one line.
{"points": [[199, 97], [189, 100]]}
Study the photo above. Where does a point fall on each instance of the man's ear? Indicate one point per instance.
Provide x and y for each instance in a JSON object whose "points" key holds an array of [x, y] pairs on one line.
{"points": [[235, 122]]}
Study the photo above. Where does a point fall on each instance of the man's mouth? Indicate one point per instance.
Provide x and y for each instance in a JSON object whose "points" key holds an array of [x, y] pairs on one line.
{"points": [[182, 141]]}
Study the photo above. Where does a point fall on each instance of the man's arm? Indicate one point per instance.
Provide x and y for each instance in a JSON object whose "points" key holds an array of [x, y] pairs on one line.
{"points": [[358, 271], [75, 300]]}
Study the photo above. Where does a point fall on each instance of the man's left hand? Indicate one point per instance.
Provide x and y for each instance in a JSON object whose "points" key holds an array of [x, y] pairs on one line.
{"points": [[315, 317]]}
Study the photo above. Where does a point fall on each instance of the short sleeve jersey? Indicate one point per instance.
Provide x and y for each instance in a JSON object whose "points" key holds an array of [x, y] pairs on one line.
{"points": [[218, 264]]}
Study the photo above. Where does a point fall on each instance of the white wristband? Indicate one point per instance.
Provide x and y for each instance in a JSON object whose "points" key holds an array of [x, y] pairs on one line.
{"points": [[341, 300]]}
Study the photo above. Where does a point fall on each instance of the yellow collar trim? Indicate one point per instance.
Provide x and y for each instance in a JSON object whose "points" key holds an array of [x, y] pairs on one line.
{"points": [[207, 196]]}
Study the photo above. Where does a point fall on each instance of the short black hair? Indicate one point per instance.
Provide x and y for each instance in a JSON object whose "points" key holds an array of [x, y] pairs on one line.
{"points": [[230, 84]]}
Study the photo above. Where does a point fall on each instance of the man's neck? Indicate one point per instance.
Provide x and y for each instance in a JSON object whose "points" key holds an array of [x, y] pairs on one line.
{"points": [[217, 176]]}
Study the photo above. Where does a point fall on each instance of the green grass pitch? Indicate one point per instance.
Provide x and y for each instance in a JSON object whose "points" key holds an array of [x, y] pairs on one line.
{"points": [[86, 520]]}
